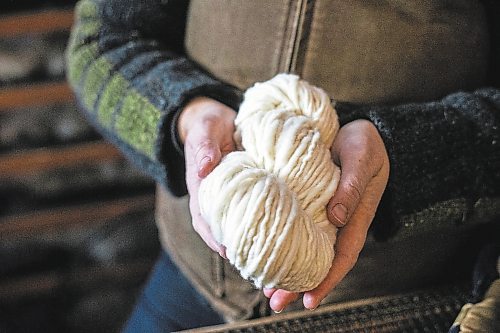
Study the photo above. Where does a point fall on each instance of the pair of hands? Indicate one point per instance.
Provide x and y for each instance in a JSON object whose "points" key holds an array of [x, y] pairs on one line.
{"points": [[206, 128]]}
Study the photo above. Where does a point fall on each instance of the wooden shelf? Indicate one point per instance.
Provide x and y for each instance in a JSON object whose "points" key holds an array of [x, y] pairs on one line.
{"points": [[57, 219], [36, 23], [37, 94], [49, 158]]}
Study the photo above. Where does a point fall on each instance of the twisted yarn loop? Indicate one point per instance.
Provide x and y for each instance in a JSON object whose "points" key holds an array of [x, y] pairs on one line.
{"points": [[267, 203]]}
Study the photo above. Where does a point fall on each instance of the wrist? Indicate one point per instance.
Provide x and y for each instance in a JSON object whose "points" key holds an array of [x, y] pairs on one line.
{"points": [[188, 114]]}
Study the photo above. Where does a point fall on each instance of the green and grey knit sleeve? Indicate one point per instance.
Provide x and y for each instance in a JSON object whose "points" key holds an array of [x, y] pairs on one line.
{"points": [[126, 66]]}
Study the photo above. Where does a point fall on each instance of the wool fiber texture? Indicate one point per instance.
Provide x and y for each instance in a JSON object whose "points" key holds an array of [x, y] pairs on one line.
{"points": [[266, 202]]}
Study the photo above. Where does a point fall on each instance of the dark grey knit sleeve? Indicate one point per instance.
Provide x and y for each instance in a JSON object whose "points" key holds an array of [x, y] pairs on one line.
{"points": [[445, 161]]}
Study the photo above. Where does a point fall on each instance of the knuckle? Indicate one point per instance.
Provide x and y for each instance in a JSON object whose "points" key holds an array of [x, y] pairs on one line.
{"points": [[353, 188], [204, 146], [361, 145]]}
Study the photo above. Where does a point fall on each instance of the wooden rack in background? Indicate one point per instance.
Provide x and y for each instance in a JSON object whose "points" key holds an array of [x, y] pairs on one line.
{"points": [[19, 96]]}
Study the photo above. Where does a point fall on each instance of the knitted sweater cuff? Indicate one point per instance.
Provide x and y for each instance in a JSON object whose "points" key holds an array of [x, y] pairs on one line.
{"points": [[444, 158]]}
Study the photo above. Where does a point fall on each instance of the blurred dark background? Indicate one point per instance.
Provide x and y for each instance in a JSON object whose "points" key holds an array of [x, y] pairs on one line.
{"points": [[77, 236]]}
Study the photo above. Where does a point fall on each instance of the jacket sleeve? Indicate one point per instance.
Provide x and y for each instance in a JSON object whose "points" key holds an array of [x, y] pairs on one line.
{"points": [[444, 157], [126, 65]]}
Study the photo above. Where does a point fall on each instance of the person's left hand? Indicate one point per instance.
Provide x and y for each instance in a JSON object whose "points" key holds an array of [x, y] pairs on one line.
{"points": [[360, 152]]}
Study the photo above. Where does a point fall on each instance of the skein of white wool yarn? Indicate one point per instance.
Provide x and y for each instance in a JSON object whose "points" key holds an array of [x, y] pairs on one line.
{"points": [[267, 204]]}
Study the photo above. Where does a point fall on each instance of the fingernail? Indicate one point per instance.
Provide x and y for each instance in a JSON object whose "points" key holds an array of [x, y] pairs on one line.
{"points": [[340, 212], [313, 308], [222, 254], [278, 311]]}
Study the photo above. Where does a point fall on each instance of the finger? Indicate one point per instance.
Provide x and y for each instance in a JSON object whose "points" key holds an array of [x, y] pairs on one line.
{"points": [[203, 229], [350, 242], [353, 181], [340, 267], [268, 292], [359, 151], [281, 299], [203, 153], [207, 156], [222, 253]]}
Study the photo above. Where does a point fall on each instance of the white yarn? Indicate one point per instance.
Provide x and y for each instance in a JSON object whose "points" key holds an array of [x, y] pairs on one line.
{"points": [[267, 204]]}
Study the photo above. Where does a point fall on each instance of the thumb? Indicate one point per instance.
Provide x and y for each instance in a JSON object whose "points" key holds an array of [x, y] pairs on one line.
{"points": [[207, 155], [351, 187]]}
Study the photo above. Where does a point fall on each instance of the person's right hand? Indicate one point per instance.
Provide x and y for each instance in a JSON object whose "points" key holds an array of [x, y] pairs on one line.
{"points": [[206, 128]]}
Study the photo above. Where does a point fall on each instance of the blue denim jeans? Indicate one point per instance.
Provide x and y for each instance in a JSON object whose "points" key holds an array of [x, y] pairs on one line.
{"points": [[170, 303]]}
